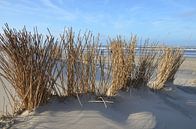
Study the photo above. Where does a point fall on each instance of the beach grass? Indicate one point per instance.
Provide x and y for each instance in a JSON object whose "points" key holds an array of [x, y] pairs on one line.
{"points": [[39, 67]]}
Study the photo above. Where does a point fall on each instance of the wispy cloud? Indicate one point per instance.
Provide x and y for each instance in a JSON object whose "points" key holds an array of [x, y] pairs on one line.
{"points": [[46, 9], [22, 7], [146, 18], [61, 13]]}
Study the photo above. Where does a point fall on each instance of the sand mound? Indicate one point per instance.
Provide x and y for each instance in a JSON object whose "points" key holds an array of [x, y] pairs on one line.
{"points": [[169, 109]]}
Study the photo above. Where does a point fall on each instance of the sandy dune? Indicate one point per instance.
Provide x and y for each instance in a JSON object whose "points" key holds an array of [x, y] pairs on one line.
{"points": [[175, 109]]}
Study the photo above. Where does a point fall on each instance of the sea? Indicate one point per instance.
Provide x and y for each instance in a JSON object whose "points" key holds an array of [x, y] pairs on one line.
{"points": [[189, 51]]}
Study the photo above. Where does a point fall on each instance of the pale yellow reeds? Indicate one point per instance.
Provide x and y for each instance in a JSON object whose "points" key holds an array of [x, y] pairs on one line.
{"points": [[146, 65], [122, 59], [105, 68], [168, 65], [28, 62], [81, 58], [33, 63]]}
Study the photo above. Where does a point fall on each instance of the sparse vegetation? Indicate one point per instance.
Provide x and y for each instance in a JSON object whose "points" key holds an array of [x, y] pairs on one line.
{"points": [[168, 64], [29, 63], [147, 63], [39, 67], [122, 58]]}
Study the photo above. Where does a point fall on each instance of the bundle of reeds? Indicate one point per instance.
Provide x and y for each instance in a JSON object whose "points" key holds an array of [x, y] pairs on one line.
{"points": [[28, 62], [118, 63], [105, 68], [130, 61], [81, 57], [89, 66], [146, 65], [168, 65], [33, 64], [93, 62], [122, 59], [178, 60]]}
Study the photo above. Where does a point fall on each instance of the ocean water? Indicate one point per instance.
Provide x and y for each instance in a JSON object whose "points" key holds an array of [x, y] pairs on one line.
{"points": [[188, 52]]}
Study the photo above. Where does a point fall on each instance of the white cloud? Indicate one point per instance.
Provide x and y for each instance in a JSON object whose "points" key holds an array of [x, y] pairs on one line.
{"points": [[58, 11]]}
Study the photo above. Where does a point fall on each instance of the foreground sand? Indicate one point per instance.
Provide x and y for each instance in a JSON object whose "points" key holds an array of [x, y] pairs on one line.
{"points": [[174, 108]]}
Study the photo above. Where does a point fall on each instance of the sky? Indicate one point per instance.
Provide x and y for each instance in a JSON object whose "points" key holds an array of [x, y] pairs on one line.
{"points": [[171, 22]]}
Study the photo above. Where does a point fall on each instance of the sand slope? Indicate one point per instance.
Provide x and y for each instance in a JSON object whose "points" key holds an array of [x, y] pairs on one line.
{"points": [[175, 109]]}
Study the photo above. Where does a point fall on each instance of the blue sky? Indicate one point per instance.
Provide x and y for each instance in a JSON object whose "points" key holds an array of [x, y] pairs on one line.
{"points": [[167, 21]]}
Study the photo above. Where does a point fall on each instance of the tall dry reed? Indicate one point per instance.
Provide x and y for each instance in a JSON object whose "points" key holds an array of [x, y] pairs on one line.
{"points": [[39, 67], [122, 59], [105, 71], [28, 63], [168, 65], [146, 65], [81, 58]]}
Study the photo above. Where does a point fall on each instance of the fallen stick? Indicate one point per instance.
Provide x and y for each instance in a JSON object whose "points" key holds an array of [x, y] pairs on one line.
{"points": [[101, 101]]}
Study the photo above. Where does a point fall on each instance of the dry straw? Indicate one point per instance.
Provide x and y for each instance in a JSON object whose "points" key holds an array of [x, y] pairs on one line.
{"points": [[105, 68], [168, 65], [81, 58], [146, 65], [40, 67], [28, 63], [122, 59]]}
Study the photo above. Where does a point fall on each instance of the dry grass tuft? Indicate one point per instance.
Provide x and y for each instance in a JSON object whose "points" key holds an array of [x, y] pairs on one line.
{"points": [[178, 59], [146, 65], [130, 61], [118, 63], [105, 69], [39, 67], [28, 62], [81, 58], [122, 59], [168, 65]]}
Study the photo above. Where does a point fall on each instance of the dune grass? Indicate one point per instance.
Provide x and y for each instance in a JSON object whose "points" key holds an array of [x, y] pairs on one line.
{"points": [[146, 65], [39, 67], [81, 58], [122, 58], [28, 62], [168, 64]]}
